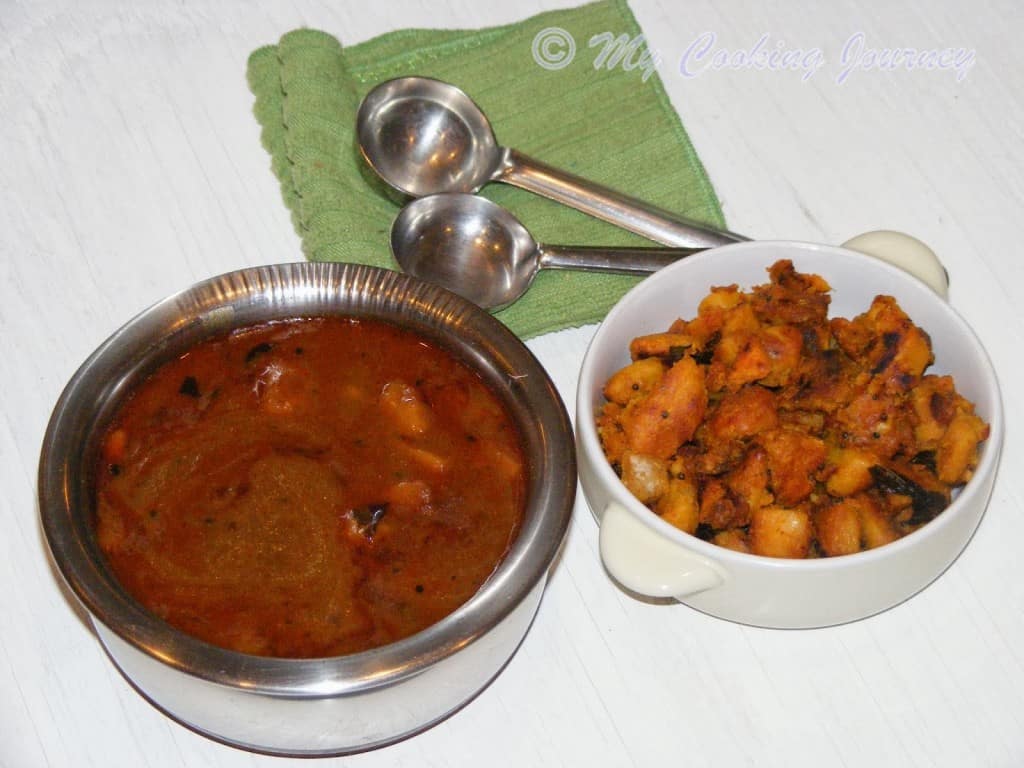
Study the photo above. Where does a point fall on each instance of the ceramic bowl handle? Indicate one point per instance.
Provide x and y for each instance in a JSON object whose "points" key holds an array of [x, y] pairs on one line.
{"points": [[646, 562], [906, 252]]}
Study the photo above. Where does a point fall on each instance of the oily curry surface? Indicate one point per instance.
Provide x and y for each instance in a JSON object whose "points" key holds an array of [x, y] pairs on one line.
{"points": [[309, 488]]}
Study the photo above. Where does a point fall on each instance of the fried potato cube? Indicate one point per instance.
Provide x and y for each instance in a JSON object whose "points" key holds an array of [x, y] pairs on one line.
{"points": [[665, 345], [750, 411], [957, 455], [838, 527], [913, 355], [781, 532], [659, 423], [783, 344], [609, 430], [853, 336], [793, 460], [784, 274], [877, 420], [646, 477], [734, 539], [720, 509], [876, 528], [886, 341], [679, 505], [946, 423], [933, 402], [851, 471], [740, 319], [635, 380], [749, 352], [749, 481], [792, 297], [720, 300], [751, 362]]}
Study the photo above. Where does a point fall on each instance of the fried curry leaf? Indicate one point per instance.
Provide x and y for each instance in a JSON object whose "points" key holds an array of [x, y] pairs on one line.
{"points": [[926, 504]]}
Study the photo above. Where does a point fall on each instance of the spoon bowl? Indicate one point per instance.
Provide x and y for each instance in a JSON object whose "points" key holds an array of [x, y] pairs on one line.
{"points": [[423, 136], [467, 244], [482, 252]]}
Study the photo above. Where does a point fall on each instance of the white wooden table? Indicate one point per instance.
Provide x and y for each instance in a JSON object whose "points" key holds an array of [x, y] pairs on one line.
{"points": [[130, 167]]}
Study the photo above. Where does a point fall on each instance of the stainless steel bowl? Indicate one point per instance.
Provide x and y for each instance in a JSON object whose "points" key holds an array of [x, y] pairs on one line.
{"points": [[308, 706]]}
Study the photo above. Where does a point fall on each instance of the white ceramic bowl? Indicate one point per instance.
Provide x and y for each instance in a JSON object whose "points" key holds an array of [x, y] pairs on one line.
{"points": [[650, 557]]}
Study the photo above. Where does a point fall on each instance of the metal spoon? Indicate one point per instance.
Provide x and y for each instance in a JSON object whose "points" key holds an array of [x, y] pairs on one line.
{"points": [[482, 252], [424, 136]]}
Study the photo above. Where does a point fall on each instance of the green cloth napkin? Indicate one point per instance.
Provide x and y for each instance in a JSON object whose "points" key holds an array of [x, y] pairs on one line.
{"points": [[603, 123]]}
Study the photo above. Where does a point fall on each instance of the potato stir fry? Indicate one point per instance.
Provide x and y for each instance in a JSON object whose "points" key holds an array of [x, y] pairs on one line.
{"points": [[763, 426]]}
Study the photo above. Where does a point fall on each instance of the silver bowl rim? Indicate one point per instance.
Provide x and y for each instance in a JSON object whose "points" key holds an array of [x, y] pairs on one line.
{"points": [[247, 296]]}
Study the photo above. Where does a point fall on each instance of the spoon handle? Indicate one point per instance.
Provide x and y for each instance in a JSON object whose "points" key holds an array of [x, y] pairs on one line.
{"points": [[607, 204], [623, 261]]}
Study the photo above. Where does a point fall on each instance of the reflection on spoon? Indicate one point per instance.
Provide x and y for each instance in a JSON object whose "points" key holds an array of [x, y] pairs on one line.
{"points": [[480, 251], [423, 136]]}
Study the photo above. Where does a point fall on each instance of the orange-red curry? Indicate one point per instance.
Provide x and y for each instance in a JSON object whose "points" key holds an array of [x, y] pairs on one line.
{"points": [[309, 488]]}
